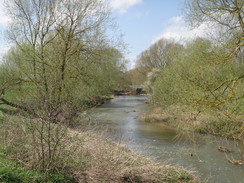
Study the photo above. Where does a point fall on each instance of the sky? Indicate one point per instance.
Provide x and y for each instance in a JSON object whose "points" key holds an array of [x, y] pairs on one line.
{"points": [[142, 23], [145, 21]]}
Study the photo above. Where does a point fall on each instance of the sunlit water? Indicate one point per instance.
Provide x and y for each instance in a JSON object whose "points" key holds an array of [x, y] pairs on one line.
{"points": [[166, 144]]}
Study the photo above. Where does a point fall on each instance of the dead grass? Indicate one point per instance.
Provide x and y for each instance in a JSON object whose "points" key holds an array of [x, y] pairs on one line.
{"points": [[175, 115], [209, 122], [111, 162], [89, 157]]}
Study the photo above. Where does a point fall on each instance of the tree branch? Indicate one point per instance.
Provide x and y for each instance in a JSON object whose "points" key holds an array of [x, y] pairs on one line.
{"points": [[23, 108]]}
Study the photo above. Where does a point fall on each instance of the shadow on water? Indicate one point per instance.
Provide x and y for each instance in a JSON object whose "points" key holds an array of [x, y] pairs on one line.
{"points": [[166, 144]]}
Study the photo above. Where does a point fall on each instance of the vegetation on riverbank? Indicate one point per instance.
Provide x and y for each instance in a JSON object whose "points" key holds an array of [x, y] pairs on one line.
{"points": [[12, 171], [199, 85], [207, 122], [196, 91], [62, 61], [79, 156]]}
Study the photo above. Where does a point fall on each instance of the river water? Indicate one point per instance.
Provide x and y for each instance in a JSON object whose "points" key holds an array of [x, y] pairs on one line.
{"points": [[166, 144]]}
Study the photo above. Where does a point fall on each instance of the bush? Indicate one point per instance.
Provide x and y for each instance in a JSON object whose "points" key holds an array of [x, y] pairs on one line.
{"points": [[223, 127], [42, 146], [12, 172]]}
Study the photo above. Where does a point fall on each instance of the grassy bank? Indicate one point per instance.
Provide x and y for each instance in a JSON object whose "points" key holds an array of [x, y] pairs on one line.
{"points": [[207, 122], [12, 171], [80, 156]]}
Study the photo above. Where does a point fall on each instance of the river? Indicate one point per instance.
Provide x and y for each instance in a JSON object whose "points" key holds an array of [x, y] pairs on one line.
{"points": [[165, 144]]}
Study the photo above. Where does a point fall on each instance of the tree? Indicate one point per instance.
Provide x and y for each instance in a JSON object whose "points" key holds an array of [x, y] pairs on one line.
{"points": [[61, 55], [203, 78], [160, 54], [228, 14]]}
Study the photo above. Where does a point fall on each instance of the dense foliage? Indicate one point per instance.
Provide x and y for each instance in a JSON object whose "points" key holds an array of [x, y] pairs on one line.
{"points": [[62, 59], [203, 77], [206, 74]]}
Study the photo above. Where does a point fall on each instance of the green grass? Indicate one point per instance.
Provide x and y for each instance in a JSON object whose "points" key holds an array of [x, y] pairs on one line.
{"points": [[104, 160], [12, 172], [5, 109], [1, 119], [223, 128]]}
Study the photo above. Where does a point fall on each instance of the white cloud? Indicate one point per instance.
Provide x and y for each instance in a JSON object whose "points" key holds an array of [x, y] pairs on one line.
{"points": [[122, 5], [4, 48], [177, 29], [4, 19]]}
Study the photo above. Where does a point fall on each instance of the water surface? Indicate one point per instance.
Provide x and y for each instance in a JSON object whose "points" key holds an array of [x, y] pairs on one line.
{"points": [[166, 144]]}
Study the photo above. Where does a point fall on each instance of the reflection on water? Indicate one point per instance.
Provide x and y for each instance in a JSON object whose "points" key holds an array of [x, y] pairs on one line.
{"points": [[166, 144]]}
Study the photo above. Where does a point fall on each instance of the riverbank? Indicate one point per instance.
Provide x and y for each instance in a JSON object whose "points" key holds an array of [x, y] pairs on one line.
{"points": [[112, 162], [84, 156], [207, 122]]}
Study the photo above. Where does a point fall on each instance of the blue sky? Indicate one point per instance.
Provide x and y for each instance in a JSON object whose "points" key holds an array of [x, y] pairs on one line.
{"points": [[141, 21], [145, 21]]}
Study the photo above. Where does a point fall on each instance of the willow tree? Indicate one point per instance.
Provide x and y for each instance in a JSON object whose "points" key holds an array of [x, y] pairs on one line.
{"points": [[160, 54], [57, 43], [156, 58], [227, 18], [229, 15]]}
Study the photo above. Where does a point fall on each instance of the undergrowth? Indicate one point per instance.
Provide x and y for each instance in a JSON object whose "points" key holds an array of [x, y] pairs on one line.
{"points": [[206, 122], [81, 156], [13, 172]]}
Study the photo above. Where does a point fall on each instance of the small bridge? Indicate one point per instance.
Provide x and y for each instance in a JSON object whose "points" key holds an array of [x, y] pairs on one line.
{"points": [[134, 90]]}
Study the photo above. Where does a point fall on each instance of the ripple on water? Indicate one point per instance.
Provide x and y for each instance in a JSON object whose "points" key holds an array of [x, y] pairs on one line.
{"points": [[165, 144]]}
